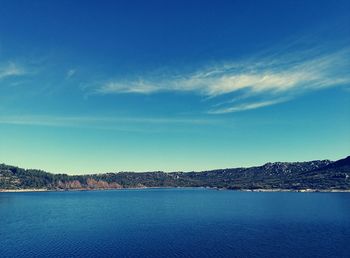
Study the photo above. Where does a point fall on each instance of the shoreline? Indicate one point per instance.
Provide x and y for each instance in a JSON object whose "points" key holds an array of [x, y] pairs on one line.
{"points": [[23, 190], [297, 191], [209, 188]]}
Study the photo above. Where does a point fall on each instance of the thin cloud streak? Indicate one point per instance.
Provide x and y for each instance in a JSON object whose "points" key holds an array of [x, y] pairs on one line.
{"points": [[9, 70], [275, 75], [86, 121], [247, 106]]}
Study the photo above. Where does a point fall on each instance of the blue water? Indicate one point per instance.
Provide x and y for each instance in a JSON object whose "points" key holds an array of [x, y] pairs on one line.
{"points": [[174, 223]]}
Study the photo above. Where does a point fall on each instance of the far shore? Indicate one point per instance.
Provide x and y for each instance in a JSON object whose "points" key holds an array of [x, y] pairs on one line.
{"points": [[140, 188], [22, 190]]}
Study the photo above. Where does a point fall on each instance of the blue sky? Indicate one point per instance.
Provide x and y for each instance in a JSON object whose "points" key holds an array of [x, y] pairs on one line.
{"points": [[96, 86]]}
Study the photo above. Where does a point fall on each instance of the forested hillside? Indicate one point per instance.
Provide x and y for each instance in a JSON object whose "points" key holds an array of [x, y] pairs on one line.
{"points": [[316, 175]]}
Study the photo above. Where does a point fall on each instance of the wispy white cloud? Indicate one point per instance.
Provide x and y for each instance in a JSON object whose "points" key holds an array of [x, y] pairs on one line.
{"points": [[71, 73], [10, 69], [272, 74], [247, 106], [128, 87]]}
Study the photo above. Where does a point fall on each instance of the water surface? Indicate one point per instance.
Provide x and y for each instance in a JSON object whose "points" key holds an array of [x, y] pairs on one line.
{"points": [[174, 223]]}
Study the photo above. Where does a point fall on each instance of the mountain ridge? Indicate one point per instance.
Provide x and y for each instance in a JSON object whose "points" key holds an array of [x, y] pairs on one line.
{"points": [[314, 175]]}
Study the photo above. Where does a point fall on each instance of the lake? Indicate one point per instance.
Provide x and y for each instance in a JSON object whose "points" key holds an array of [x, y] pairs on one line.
{"points": [[174, 223]]}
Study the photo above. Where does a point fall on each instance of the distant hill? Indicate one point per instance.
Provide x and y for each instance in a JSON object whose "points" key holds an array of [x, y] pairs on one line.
{"points": [[314, 175], [339, 164]]}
